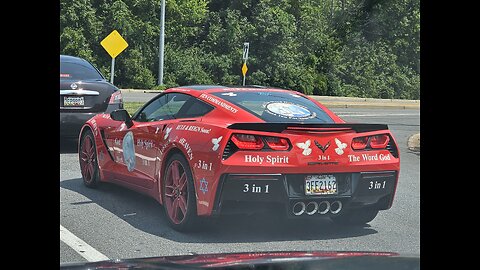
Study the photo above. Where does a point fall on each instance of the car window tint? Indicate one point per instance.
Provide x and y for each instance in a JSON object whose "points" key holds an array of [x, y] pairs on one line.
{"points": [[195, 108], [77, 71], [277, 106], [164, 107]]}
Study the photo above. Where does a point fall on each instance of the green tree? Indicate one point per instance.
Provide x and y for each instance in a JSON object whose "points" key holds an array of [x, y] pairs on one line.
{"points": [[78, 28], [367, 48]]}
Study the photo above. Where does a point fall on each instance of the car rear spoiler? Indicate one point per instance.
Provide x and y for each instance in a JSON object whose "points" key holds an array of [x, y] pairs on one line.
{"points": [[279, 127]]}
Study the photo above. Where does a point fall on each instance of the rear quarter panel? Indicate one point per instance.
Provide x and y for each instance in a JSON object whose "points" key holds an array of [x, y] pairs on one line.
{"points": [[97, 124], [201, 144]]}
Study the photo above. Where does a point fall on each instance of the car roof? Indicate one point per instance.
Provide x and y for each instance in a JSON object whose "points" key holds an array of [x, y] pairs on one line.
{"points": [[216, 88], [74, 59]]}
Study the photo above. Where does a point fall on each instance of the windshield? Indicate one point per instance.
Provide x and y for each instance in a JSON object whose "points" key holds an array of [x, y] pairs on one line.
{"points": [[239, 126], [78, 71], [277, 106]]}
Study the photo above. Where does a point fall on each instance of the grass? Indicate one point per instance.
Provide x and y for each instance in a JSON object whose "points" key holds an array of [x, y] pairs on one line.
{"points": [[132, 107]]}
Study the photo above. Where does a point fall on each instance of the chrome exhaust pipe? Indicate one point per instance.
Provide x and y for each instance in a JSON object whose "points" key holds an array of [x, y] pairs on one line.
{"points": [[323, 207], [336, 207], [311, 208], [298, 208]]}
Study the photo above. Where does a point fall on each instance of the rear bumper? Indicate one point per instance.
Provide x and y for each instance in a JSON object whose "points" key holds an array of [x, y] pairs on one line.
{"points": [[71, 122], [250, 192]]}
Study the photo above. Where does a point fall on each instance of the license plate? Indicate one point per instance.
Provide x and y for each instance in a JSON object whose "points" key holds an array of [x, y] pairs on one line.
{"points": [[320, 184], [73, 101]]}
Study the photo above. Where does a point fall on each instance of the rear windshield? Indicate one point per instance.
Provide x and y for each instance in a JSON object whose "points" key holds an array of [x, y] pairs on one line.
{"points": [[277, 106], [78, 71]]}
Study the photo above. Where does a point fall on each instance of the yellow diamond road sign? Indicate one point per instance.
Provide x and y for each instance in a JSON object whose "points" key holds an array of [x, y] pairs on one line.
{"points": [[114, 44], [244, 69]]}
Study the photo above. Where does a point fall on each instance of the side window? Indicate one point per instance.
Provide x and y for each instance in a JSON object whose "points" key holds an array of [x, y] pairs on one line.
{"points": [[163, 108], [195, 108]]}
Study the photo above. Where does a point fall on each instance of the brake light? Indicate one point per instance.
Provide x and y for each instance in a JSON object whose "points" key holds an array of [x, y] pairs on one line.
{"points": [[247, 142], [359, 143], [379, 141], [116, 98], [374, 142], [279, 144]]}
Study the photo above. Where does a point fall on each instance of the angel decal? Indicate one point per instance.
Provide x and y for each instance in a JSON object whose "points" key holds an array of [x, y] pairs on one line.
{"points": [[340, 146], [216, 142], [306, 147]]}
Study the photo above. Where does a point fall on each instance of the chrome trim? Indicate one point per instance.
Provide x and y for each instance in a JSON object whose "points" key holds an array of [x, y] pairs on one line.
{"points": [[76, 108], [302, 204], [315, 208], [79, 92], [327, 203], [338, 209]]}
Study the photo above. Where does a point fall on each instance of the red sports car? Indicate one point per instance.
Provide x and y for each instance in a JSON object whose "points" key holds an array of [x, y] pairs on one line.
{"points": [[212, 150]]}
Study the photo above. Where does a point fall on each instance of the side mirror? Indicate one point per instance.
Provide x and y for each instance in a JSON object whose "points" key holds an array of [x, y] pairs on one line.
{"points": [[122, 115]]}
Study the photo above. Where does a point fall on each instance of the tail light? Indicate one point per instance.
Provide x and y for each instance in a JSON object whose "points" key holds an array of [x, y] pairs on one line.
{"points": [[255, 142], [379, 141], [373, 142], [359, 143], [279, 144], [247, 142], [116, 98]]}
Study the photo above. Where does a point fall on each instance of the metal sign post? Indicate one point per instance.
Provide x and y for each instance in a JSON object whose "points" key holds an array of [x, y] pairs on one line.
{"points": [[111, 72], [246, 46]]}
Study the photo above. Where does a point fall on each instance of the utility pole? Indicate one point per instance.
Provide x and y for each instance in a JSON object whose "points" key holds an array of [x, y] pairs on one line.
{"points": [[162, 41], [331, 10]]}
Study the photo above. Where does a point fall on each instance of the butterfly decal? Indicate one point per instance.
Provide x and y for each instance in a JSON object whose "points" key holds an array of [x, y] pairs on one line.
{"points": [[340, 146], [323, 148], [167, 132], [306, 147], [216, 142]]}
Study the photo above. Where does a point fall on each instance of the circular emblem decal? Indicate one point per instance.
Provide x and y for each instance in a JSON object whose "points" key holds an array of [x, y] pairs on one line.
{"points": [[129, 151], [73, 86], [289, 110]]}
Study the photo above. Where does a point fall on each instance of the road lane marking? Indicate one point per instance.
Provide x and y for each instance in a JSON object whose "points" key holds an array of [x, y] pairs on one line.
{"points": [[80, 246]]}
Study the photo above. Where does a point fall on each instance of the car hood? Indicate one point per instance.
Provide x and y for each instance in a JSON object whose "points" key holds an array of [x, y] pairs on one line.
{"points": [[324, 260]]}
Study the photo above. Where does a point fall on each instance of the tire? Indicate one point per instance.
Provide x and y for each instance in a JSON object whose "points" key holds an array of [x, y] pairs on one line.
{"points": [[178, 191], [356, 217], [88, 160]]}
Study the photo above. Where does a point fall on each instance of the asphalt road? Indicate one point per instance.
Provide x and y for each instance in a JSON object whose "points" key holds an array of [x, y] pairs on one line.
{"points": [[123, 224]]}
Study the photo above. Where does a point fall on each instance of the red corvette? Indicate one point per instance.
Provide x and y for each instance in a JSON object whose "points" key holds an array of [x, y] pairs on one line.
{"points": [[211, 150]]}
